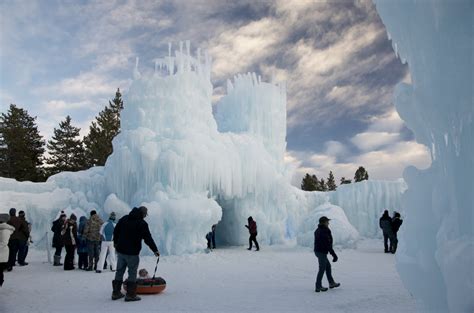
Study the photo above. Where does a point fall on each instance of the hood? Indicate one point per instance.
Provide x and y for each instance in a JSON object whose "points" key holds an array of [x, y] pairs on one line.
{"points": [[135, 214], [6, 226]]}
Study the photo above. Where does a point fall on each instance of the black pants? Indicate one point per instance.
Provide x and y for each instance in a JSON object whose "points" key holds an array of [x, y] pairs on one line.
{"points": [[69, 259], [13, 246], [394, 243], [213, 239], [385, 242], [3, 267], [253, 238], [83, 260], [58, 250]]}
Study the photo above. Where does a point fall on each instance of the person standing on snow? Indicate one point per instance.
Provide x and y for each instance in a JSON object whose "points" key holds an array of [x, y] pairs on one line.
{"points": [[69, 234], [82, 244], [107, 235], [252, 227], [396, 223], [57, 238], [92, 234], [323, 246], [128, 235], [6, 231], [385, 223], [23, 250], [17, 239]]}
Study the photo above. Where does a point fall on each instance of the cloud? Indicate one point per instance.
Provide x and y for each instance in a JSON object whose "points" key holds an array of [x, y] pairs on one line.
{"points": [[373, 140]]}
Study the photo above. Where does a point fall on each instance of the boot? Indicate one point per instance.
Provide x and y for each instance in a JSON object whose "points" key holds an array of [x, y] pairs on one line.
{"points": [[318, 289], [116, 290], [132, 292], [57, 260], [334, 285]]}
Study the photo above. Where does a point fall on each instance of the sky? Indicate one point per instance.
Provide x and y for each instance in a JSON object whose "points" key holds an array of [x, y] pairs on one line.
{"points": [[61, 58]]}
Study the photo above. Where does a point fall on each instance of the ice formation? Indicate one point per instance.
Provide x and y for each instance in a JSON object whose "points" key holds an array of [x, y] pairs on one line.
{"points": [[193, 169], [436, 258]]}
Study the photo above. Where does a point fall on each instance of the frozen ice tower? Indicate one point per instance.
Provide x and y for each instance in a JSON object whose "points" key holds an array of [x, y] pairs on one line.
{"points": [[193, 169], [436, 260]]}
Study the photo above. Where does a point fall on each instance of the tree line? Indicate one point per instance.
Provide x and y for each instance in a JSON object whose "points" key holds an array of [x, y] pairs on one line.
{"points": [[312, 183], [22, 148]]}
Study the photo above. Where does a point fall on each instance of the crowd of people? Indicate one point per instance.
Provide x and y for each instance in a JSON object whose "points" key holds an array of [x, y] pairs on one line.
{"points": [[100, 245]]}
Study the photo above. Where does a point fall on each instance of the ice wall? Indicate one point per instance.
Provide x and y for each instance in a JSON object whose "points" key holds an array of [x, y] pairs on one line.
{"points": [[436, 257]]}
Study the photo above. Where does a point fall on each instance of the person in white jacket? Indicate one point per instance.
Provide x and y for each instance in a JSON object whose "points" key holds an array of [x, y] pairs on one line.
{"points": [[107, 245], [5, 232]]}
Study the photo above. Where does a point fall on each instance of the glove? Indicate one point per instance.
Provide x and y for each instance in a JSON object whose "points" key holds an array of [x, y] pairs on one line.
{"points": [[157, 254], [334, 258]]}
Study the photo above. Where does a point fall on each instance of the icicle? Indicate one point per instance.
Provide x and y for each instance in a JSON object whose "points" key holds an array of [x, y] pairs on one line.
{"points": [[169, 49], [230, 87], [136, 73]]}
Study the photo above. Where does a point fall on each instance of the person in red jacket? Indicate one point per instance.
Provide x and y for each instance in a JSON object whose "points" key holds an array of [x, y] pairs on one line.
{"points": [[252, 227]]}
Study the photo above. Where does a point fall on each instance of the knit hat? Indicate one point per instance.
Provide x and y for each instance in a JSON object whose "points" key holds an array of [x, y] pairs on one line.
{"points": [[73, 217], [62, 214], [12, 212], [21, 213], [112, 216], [93, 212]]}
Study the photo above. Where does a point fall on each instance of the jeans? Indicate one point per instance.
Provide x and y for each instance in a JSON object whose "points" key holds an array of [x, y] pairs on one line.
{"points": [[124, 261], [93, 250], [107, 246], [324, 266], [14, 246]]}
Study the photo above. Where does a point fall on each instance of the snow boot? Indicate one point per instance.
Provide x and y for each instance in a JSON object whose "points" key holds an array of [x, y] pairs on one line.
{"points": [[132, 292], [57, 260], [116, 290], [334, 285], [318, 289]]}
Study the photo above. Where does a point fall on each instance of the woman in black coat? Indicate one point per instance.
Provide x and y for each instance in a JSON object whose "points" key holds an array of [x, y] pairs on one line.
{"points": [[69, 235], [57, 237]]}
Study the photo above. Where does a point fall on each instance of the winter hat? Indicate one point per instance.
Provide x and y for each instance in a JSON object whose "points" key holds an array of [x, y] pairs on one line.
{"points": [[73, 217], [112, 216], [12, 212], [93, 212], [4, 217], [62, 214], [21, 213], [323, 219]]}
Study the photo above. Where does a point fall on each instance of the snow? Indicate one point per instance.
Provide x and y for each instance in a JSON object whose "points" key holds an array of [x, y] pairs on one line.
{"points": [[275, 279], [193, 169], [436, 40]]}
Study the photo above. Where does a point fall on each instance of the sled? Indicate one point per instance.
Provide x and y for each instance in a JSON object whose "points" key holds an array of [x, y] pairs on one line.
{"points": [[149, 286]]}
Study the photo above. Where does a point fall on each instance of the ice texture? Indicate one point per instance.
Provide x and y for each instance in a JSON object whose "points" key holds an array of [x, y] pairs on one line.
{"points": [[193, 169], [436, 256]]}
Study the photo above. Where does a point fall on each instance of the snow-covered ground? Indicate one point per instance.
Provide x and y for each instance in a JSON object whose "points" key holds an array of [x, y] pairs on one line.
{"points": [[276, 279]]}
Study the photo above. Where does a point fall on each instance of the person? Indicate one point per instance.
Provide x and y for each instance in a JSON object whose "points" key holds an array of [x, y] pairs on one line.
{"points": [[6, 231], [17, 239], [57, 238], [143, 274], [252, 227], [69, 235], [323, 246], [385, 224], [128, 235], [213, 236], [396, 223], [92, 234], [209, 239], [23, 249], [82, 244], [107, 246]]}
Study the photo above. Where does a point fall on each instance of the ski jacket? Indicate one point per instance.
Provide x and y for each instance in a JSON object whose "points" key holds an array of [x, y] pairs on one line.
{"points": [[6, 231], [385, 223], [129, 233], [396, 223], [56, 229], [92, 229], [323, 240], [107, 231], [69, 233], [252, 227], [21, 228], [81, 239]]}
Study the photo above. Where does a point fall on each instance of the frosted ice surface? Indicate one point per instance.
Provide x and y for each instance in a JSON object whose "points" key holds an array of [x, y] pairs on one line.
{"points": [[436, 256], [193, 170]]}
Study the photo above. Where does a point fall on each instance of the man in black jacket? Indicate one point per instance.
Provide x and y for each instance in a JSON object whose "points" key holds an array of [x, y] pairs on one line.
{"points": [[385, 223], [57, 238], [17, 239], [128, 235], [396, 223], [323, 246]]}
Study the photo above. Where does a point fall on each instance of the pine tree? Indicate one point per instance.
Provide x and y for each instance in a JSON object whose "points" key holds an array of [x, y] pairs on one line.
{"points": [[331, 183], [21, 145], [102, 131], [309, 183], [66, 150], [345, 181], [361, 174], [322, 185]]}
